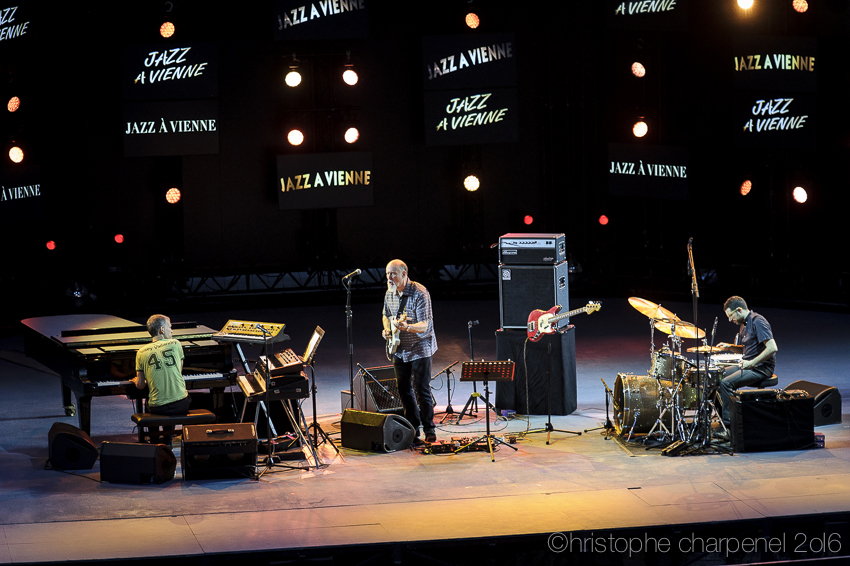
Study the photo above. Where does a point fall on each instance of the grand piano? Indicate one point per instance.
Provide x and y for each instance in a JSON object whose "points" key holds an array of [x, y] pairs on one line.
{"points": [[95, 357]]}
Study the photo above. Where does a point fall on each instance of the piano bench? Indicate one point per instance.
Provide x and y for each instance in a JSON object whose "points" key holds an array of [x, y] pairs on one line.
{"points": [[146, 420]]}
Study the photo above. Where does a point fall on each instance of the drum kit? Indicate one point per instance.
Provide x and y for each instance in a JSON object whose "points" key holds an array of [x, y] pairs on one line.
{"points": [[676, 396]]}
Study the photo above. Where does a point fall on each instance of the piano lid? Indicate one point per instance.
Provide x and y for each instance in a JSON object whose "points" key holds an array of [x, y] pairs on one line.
{"points": [[53, 326]]}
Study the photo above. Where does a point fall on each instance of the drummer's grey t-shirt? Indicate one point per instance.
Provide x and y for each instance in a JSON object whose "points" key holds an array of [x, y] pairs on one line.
{"points": [[754, 333]]}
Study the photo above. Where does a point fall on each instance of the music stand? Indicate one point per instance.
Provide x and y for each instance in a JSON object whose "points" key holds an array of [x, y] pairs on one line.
{"points": [[308, 358], [486, 371]]}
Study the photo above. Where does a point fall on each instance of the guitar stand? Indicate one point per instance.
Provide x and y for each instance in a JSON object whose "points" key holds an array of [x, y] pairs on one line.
{"points": [[548, 428], [475, 371]]}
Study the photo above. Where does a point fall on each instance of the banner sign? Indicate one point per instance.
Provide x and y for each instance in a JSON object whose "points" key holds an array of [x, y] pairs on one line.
{"points": [[648, 171], [321, 19], [777, 120], [649, 15], [170, 128], [776, 63], [324, 180], [469, 61], [15, 21], [20, 195], [169, 71], [459, 117]]}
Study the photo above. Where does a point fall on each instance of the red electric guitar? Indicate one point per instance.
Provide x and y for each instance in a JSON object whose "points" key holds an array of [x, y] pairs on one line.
{"points": [[540, 322]]}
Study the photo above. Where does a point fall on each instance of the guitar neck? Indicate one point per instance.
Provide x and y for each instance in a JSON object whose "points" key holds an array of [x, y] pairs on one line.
{"points": [[564, 315]]}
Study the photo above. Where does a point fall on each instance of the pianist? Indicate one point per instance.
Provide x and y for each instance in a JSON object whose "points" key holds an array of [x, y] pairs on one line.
{"points": [[159, 365]]}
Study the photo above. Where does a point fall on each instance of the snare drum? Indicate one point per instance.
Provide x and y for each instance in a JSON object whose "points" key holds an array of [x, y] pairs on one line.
{"points": [[726, 359], [669, 365]]}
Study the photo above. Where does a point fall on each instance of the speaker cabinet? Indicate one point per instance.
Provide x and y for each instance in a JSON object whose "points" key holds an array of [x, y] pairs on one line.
{"points": [[371, 397], [219, 451], [129, 462], [70, 448], [523, 288], [772, 424], [375, 432], [827, 401]]}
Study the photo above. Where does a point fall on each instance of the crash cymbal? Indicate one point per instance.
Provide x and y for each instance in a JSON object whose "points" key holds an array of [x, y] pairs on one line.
{"points": [[707, 349], [681, 329], [650, 309]]}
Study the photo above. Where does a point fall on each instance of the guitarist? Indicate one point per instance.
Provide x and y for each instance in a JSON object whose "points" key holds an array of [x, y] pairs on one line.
{"points": [[412, 359]]}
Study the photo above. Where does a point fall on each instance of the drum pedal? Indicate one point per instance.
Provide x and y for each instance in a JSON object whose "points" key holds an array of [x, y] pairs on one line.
{"points": [[675, 449]]}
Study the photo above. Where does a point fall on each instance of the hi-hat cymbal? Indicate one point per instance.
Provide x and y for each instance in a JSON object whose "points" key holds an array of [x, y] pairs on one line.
{"points": [[650, 309], [731, 347], [681, 329]]}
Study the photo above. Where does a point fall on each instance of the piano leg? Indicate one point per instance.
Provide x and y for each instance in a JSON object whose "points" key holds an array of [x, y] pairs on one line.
{"points": [[84, 411], [67, 403]]}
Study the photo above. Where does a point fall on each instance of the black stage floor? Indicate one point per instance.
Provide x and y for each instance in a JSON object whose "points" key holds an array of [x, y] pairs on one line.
{"points": [[602, 500]]}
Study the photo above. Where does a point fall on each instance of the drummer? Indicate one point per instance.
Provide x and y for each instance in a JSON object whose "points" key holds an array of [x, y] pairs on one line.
{"points": [[759, 356]]}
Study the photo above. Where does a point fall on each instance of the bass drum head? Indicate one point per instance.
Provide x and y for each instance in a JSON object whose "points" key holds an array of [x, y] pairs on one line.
{"points": [[635, 403]]}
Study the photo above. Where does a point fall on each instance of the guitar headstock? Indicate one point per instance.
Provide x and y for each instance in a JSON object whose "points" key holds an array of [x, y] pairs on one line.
{"points": [[593, 306]]}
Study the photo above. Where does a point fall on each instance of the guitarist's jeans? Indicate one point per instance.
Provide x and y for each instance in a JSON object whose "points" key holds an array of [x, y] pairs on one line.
{"points": [[416, 376]]}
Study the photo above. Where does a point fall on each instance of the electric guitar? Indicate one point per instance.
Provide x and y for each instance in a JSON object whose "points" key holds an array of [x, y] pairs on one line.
{"points": [[541, 322], [394, 340]]}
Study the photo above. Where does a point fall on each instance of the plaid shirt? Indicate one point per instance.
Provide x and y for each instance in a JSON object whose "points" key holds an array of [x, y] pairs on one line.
{"points": [[413, 346]]}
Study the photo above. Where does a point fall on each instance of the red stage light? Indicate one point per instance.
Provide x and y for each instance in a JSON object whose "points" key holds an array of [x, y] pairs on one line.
{"points": [[16, 154], [166, 29], [472, 20], [603, 220], [172, 196], [800, 5], [51, 245], [746, 187], [528, 220], [14, 104], [119, 238]]}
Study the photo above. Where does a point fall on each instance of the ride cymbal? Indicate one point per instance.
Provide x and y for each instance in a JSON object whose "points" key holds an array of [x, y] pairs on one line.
{"points": [[650, 309]]}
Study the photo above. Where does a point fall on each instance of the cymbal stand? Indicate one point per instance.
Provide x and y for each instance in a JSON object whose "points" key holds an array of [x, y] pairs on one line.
{"points": [[549, 429], [608, 426]]}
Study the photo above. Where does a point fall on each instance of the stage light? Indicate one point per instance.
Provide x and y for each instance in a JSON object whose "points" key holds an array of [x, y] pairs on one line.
{"points": [[800, 5], [119, 238], [746, 187], [471, 183], [51, 245], [14, 104], [638, 69], [640, 129], [295, 137], [166, 30], [472, 20], [349, 77], [800, 195], [745, 4], [293, 78], [603, 220], [16, 154], [172, 196], [351, 135], [528, 220]]}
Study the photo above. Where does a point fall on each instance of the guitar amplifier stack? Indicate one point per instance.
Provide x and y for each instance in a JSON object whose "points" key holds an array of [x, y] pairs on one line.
{"points": [[533, 274]]}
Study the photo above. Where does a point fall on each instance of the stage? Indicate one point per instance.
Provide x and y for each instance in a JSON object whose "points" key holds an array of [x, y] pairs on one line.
{"points": [[578, 499]]}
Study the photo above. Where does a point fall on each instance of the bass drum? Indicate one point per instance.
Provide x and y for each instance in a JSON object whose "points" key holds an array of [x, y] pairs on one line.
{"points": [[635, 403]]}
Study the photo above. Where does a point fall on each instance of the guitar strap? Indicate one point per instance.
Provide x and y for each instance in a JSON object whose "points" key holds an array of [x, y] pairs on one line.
{"points": [[402, 304]]}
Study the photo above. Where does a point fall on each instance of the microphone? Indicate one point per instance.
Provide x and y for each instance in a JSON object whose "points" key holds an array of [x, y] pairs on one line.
{"points": [[472, 323], [354, 273], [690, 243], [259, 327]]}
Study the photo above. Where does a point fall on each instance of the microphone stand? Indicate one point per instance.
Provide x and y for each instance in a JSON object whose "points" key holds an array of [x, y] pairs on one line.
{"points": [[608, 426], [447, 414], [346, 282]]}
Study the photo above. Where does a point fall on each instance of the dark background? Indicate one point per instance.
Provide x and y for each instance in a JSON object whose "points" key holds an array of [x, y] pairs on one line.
{"points": [[575, 96]]}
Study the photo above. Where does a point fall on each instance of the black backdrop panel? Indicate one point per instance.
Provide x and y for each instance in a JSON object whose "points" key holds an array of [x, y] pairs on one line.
{"points": [[324, 180], [469, 61], [182, 127], [297, 19], [167, 71], [482, 115], [529, 396]]}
